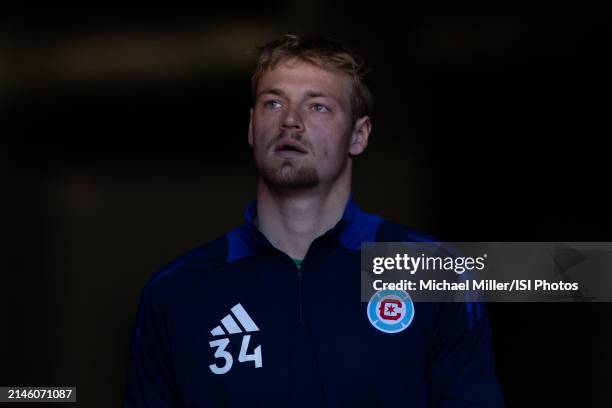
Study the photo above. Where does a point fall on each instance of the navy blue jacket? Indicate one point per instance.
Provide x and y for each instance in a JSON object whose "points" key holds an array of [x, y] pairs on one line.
{"points": [[236, 323]]}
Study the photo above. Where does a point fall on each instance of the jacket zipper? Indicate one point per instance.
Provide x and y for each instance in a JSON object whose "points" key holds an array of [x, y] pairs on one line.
{"points": [[299, 276]]}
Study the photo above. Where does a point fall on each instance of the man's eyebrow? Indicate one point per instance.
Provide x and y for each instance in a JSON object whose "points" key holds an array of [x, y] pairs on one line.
{"points": [[309, 93], [273, 91], [318, 94]]}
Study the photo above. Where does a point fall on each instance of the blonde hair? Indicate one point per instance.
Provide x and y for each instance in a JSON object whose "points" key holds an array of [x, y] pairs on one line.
{"points": [[324, 53]]}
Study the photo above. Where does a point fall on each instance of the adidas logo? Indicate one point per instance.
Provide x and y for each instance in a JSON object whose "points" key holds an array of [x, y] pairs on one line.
{"points": [[231, 327], [230, 324]]}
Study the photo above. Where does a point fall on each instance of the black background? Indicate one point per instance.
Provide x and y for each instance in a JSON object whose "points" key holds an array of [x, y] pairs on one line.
{"points": [[124, 140]]}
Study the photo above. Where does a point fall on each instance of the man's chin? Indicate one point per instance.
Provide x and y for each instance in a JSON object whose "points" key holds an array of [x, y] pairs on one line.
{"points": [[287, 176]]}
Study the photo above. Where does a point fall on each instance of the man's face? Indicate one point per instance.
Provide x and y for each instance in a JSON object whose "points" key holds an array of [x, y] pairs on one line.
{"points": [[301, 127]]}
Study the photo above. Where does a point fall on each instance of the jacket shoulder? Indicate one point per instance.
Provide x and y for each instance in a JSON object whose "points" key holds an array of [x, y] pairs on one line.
{"points": [[192, 265]]}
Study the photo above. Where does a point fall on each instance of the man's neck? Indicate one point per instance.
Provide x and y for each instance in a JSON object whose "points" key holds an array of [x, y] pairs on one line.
{"points": [[293, 220]]}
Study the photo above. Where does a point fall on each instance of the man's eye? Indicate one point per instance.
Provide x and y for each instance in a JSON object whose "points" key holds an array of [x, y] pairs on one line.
{"points": [[320, 108], [272, 104]]}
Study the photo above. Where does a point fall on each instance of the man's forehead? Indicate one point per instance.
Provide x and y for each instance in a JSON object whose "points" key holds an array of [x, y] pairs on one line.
{"points": [[304, 77]]}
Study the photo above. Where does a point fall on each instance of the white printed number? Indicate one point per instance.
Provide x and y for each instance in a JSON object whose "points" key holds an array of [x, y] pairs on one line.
{"points": [[221, 353], [255, 357], [221, 344]]}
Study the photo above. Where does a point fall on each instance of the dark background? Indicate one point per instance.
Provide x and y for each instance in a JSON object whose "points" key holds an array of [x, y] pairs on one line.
{"points": [[124, 140]]}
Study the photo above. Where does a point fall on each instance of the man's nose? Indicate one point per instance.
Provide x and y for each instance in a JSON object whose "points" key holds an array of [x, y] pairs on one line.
{"points": [[292, 121]]}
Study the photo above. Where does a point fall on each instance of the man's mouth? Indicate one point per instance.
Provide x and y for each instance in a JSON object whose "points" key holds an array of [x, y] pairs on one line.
{"points": [[289, 149]]}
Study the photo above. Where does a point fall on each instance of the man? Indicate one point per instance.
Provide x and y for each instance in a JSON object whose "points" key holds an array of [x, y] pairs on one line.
{"points": [[270, 314]]}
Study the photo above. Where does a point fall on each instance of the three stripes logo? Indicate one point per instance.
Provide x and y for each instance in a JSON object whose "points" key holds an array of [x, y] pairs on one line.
{"points": [[231, 327]]}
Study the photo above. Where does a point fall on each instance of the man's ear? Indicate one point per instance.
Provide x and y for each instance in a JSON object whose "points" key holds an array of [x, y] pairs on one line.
{"points": [[360, 136], [251, 127]]}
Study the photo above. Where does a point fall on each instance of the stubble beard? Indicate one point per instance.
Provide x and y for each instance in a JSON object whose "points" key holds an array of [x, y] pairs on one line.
{"points": [[288, 175]]}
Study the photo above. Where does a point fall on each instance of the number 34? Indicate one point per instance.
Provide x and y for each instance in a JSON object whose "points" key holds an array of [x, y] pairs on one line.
{"points": [[221, 353]]}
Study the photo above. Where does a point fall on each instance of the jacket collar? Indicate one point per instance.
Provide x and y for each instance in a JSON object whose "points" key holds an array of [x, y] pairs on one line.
{"points": [[354, 227]]}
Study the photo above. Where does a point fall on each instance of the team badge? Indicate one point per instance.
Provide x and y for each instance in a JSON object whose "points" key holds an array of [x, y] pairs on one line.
{"points": [[390, 311]]}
